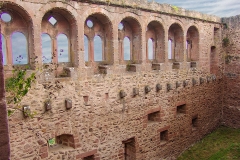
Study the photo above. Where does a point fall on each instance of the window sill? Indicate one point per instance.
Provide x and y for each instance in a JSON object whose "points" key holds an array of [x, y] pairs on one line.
{"points": [[176, 65], [157, 66], [192, 64], [59, 147]]}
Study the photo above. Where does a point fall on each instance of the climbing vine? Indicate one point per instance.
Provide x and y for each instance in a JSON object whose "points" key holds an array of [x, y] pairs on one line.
{"points": [[17, 87]]}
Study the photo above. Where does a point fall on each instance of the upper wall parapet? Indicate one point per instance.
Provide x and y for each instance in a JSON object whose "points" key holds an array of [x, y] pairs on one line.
{"points": [[232, 22], [156, 7]]}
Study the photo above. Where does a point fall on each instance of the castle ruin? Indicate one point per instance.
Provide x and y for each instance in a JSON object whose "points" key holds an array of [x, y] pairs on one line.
{"points": [[160, 78]]}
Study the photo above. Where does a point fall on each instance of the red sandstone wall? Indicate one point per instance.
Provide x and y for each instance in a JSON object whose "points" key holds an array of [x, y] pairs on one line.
{"points": [[100, 122], [4, 137], [231, 109]]}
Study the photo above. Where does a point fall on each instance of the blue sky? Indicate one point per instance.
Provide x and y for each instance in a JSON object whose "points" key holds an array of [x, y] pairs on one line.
{"points": [[221, 8]]}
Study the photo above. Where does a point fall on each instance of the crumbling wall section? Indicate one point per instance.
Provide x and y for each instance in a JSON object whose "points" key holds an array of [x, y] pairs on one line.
{"points": [[231, 45], [95, 115]]}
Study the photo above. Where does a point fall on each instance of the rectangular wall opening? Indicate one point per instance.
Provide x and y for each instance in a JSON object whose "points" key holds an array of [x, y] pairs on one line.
{"points": [[181, 109], [154, 117], [129, 149], [194, 122], [89, 157], [164, 136], [61, 142]]}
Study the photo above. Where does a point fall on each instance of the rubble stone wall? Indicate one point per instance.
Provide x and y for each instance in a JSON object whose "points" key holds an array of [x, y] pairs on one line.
{"points": [[101, 120], [231, 53]]}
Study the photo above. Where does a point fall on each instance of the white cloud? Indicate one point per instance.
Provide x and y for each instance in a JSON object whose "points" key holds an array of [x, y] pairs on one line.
{"points": [[221, 8]]}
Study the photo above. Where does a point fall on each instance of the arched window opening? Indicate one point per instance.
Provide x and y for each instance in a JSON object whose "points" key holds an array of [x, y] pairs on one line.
{"points": [[86, 48], [19, 48], [46, 48], [98, 55], [192, 44], [4, 50], [129, 39], [126, 49], [150, 49], [175, 33], [63, 48], [170, 49], [155, 47]]}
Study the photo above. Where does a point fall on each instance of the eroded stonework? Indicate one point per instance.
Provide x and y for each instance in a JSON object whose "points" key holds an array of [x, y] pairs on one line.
{"points": [[115, 109]]}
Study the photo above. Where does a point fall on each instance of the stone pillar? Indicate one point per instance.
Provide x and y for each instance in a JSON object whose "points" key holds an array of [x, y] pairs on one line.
{"points": [[4, 138]]}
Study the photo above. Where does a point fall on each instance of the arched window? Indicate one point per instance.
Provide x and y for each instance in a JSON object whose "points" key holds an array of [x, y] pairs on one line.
{"points": [[4, 50], [19, 48], [46, 48], [126, 49], [170, 49], [98, 56], [85, 48], [62, 47], [150, 49]]}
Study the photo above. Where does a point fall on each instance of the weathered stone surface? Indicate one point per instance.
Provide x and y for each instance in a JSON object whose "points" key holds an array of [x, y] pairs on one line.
{"points": [[145, 121], [231, 44]]}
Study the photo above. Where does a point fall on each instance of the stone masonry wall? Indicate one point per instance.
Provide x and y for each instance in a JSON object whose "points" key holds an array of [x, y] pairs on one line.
{"points": [[104, 122], [231, 109], [101, 121]]}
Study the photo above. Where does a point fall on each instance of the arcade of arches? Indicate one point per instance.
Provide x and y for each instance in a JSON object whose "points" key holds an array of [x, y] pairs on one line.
{"points": [[128, 83]]}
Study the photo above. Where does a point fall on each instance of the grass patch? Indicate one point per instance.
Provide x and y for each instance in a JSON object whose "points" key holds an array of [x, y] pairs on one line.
{"points": [[222, 144]]}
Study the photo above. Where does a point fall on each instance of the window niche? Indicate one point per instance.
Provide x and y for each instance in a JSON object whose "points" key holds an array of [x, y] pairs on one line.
{"points": [[181, 109], [154, 117], [59, 42], [61, 142], [129, 149], [155, 44], [214, 60], [98, 44], [129, 36], [175, 45], [89, 158], [194, 122], [192, 46], [163, 136], [17, 37]]}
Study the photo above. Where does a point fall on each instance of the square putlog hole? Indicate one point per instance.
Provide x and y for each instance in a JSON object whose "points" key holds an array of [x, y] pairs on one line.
{"points": [[194, 122], [164, 136], [89, 157], [154, 117], [181, 109]]}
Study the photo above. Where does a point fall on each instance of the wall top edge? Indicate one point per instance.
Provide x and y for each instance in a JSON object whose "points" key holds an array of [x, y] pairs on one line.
{"points": [[156, 7]]}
